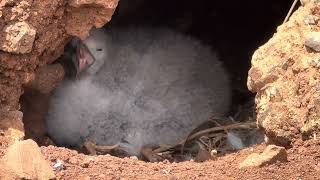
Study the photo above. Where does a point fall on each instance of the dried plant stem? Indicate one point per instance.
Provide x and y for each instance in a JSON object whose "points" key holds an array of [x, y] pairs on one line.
{"points": [[290, 11]]}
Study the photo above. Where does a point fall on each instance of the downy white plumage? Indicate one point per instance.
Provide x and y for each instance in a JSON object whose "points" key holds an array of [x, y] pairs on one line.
{"points": [[146, 86]]}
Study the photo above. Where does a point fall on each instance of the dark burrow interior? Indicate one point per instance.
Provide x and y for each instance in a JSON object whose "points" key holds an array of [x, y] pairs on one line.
{"points": [[234, 29]]}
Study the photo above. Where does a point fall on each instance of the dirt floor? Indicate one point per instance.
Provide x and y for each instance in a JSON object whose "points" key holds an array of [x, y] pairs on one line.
{"points": [[303, 163]]}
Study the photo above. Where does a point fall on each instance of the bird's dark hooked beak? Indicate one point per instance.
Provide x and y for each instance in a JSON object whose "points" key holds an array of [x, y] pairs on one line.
{"points": [[84, 58]]}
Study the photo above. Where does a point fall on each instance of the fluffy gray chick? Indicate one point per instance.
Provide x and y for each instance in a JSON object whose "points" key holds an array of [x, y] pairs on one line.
{"points": [[147, 86]]}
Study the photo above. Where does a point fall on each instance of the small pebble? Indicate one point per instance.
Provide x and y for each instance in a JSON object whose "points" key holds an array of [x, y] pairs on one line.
{"points": [[134, 157], [315, 62], [58, 166], [304, 2], [86, 162], [313, 41], [310, 20], [73, 160]]}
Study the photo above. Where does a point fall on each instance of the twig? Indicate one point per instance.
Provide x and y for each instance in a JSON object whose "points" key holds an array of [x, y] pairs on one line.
{"points": [[222, 128], [92, 147], [106, 149], [246, 125], [212, 119], [290, 11], [216, 135], [163, 148]]}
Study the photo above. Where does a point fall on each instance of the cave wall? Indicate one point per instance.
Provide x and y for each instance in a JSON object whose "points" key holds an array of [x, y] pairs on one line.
{"points": [[32, 34]]}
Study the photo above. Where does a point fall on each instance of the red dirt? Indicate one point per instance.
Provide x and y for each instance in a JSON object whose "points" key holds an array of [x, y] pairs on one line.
{"points": [[303, 163]]}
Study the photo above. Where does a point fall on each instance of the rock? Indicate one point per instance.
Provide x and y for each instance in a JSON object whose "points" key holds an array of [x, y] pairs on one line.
{"points": [[79, 3], [34, 106], [304, 2], [271, 154], [78, 21], [280, 75], [310, 20], [11, 125], [50, 23], [17, 38], [73, 160], [21, 11], [313, 118], [47, 78], [25, 160], [58, 166], [315, 62], [313, 41], [134, 157], [7, 174], [86, 162]]}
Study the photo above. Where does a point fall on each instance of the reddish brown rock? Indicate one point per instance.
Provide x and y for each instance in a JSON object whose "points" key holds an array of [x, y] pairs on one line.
{"points": [[270, 155], [285, 74], [33, 34], [17, 38], [24, 159], [11, 125], [78, 21], [47, 78], [54, 21]]}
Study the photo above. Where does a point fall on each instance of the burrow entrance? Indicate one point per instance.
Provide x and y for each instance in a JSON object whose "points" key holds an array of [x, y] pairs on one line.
{"points": [[233, 29]]}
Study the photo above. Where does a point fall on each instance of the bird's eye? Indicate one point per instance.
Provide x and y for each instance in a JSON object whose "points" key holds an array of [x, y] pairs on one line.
{"points": [[99, 49]]}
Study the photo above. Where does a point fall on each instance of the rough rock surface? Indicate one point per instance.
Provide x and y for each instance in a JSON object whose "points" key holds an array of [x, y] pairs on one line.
{"points": [[17, 38], [47, 78], [94, 12], [285, 74], [270, 155], [50, 22], [11, 125], [33, 34], [24, 159]]}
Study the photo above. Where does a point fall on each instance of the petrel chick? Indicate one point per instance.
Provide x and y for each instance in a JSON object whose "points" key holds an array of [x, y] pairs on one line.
{"points": [[137, 86]]}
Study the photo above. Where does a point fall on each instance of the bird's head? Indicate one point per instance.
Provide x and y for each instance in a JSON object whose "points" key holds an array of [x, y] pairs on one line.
{"points": [[83, 58], [87, 56]]}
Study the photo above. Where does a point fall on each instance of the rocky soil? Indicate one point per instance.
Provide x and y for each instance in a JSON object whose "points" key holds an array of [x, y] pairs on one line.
{"points": [[303, 163]]}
